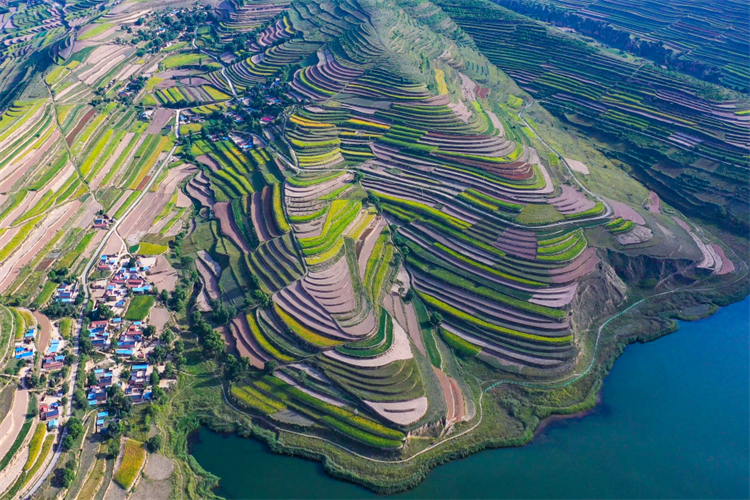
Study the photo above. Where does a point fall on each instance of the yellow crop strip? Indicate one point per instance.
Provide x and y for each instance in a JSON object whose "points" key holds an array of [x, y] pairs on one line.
{"points": [[448, 309]]}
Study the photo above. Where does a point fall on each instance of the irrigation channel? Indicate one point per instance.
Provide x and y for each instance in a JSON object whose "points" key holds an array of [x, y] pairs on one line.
{"points": [[670, 425]]}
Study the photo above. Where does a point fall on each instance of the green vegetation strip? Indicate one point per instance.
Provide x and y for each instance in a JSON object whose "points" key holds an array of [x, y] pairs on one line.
{"points": [[480, 323], [139, 307], [132, 461]]}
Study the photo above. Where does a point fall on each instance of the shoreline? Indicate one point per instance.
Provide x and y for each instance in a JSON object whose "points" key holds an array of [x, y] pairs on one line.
{"points": [[550, 421]]}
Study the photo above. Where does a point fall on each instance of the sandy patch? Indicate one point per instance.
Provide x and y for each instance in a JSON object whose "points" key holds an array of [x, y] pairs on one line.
{"points": [[577, 166], [400, 412], [626, 212], [159, 317], [13, 421], [639, 234], [39, 237], [163, 275], [653, 204], [45, 330], [113, 246], [160, 119], [158, 467], [727, 266], [183, 200], [141, 218], [400, 349]]}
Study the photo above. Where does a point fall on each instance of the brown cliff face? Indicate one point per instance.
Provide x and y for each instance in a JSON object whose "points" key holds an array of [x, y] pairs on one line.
{"points": [[599, 295]]}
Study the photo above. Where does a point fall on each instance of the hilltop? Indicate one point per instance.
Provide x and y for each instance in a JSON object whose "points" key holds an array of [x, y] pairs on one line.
{"points": [[380, 234]]}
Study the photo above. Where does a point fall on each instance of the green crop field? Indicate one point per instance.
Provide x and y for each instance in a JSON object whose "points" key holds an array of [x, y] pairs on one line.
{"points": [[139, 307], [384, 234]]}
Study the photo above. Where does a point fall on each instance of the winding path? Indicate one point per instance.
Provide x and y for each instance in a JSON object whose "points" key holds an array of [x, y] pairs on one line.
{"points": [[84, 287], [565, 381]]}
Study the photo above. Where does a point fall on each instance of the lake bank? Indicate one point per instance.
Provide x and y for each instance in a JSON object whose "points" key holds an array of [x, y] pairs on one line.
{"points": [[673, 423]]}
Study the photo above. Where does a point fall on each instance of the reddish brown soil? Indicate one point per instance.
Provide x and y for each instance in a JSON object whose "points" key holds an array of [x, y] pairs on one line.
{"points": [[209, 162], [450, 401], [143, 183], [44, 265], [72, 135], [229, 227], [45, 330]]}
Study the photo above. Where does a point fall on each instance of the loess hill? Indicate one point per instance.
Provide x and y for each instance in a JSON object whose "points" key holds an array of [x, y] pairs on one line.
{"points": [[389, 232]]}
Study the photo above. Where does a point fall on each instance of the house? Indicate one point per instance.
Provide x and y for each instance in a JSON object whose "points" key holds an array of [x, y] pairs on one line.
{"points": [[23, 353], [66, 292], [138, 376], [135, 394], [106, 263], [103, 378], [96, 396], [53, 362], [54, 346], [49, 412]]}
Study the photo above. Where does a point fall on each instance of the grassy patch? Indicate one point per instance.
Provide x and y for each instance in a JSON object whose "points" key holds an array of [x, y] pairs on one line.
{"points": [[151, 249], [539, 214], [45, 294], [66, 326], [139, 307], [132, 461], [35, 446], [98, 29]]}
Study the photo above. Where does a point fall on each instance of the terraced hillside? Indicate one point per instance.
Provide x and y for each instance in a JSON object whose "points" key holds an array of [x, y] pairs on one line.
{"points": [[686, 140], [710, 42], [410, 215], [385, 232]]}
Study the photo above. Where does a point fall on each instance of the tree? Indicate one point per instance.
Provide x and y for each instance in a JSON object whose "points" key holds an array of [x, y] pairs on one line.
{"points": [[68, 475], [262, 297], [118, 400], [68, 442], [79, 399], [59, 310], [149, 331], [168, 371], [178, 347], [157, 393], [113, 428], [436, 319], [154, 379], [103, 312], [154, 444], [75, 427], [84, 345], [271, 366], [179, 360], [158, 355]]}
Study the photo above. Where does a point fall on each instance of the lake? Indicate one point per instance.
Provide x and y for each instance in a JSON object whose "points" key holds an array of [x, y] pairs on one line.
{"points": [[674, 422]]}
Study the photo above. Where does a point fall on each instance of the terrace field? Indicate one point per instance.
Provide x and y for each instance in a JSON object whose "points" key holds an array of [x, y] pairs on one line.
{"points": [[382, 234]]}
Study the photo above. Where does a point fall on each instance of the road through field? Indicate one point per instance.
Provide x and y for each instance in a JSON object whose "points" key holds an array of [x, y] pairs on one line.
{"points": [[84, 287]]}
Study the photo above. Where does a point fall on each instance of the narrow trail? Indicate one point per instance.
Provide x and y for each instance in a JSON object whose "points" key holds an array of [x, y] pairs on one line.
{"points": [[562, 382], [608, 210], [84, 287], [218, 60]]}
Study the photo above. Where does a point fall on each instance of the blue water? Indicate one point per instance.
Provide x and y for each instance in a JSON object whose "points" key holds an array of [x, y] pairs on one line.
{"points": [[674, 422]]}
